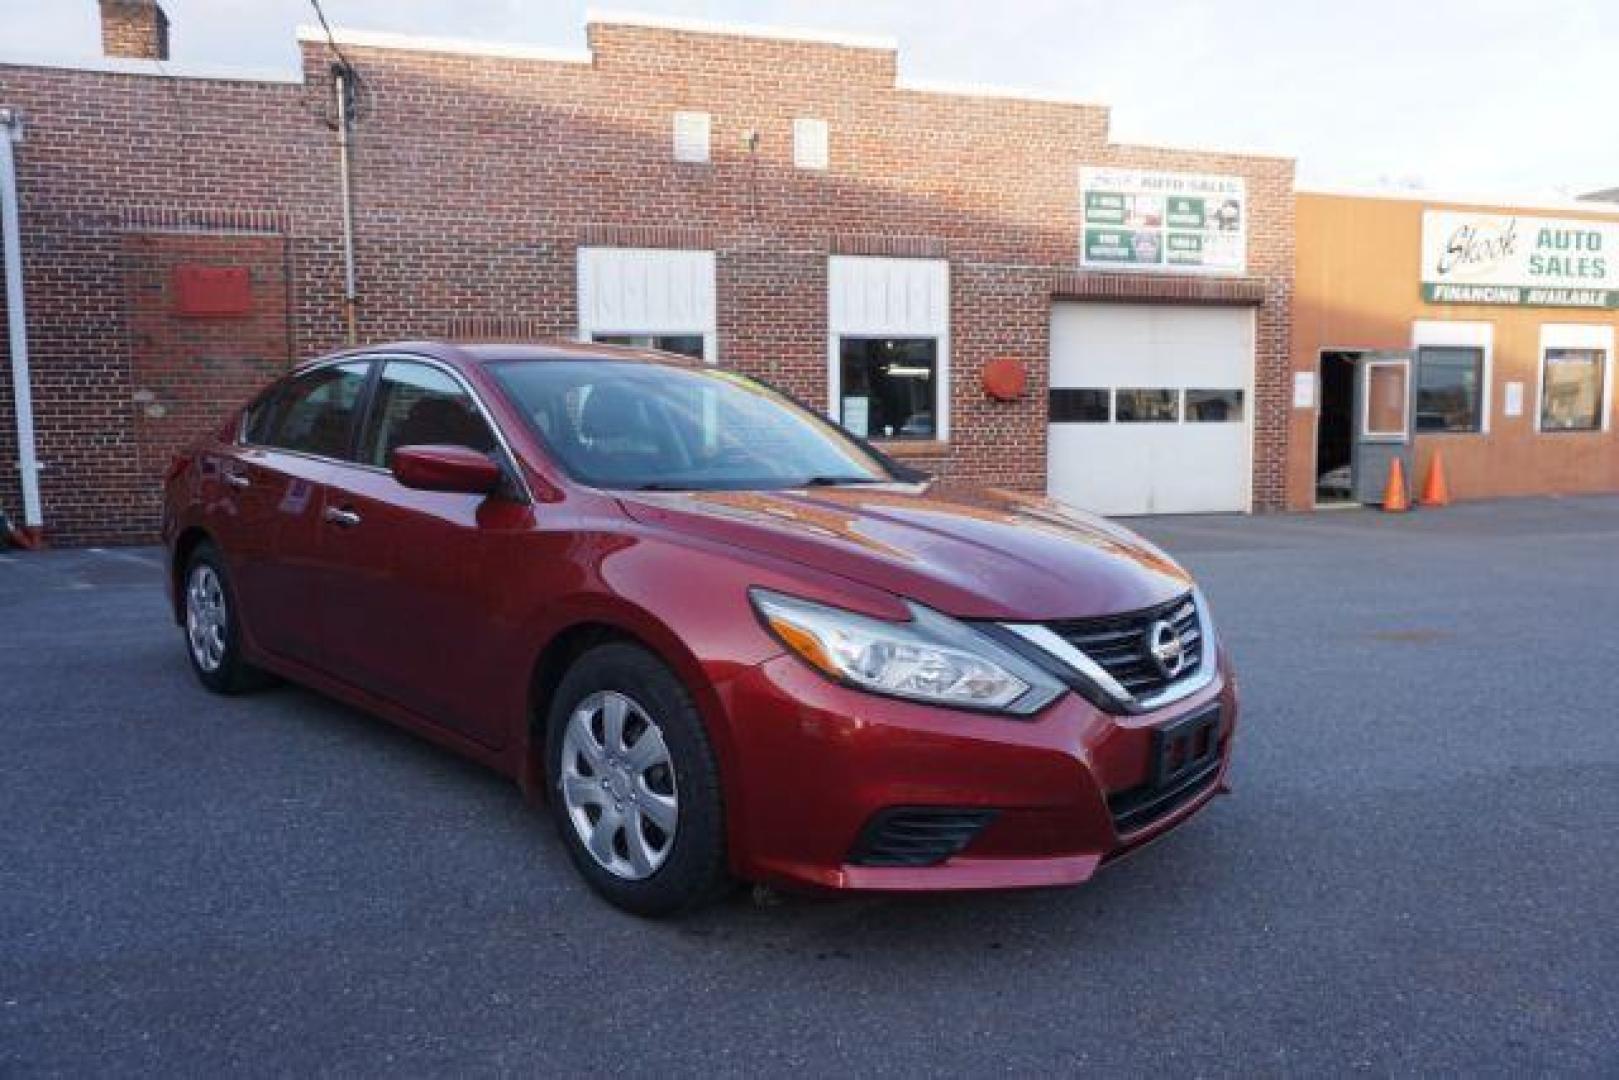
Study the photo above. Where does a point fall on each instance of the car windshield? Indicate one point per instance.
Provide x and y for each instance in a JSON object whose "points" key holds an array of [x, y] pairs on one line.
{"points": [[628, 425]]}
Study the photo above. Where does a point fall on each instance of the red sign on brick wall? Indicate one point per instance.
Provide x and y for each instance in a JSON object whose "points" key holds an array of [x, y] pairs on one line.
{"points": [[202, 292]]}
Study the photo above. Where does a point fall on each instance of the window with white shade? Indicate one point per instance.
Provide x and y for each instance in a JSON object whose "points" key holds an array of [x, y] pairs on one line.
{"points": [[650, 298], [889, 342], [681, 344]]}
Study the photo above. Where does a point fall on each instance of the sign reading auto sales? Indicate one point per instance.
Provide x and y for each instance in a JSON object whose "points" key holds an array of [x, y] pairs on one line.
{"points": [[1511, 259], [1182, 222]]}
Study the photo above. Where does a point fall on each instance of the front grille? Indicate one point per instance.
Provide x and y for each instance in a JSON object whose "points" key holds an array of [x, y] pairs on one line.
{"points": [[1119, 644], [917, 836]]}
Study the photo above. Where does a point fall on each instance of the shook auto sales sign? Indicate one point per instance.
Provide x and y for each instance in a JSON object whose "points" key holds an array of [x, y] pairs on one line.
{"points": [[1511, 259]]}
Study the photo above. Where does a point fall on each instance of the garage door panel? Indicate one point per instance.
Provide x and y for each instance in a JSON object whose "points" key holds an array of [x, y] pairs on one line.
{"points": [[1086, 472], [1188, 325], [1161, 467], [1103, 324], [1206, 365], [1201, 469]]}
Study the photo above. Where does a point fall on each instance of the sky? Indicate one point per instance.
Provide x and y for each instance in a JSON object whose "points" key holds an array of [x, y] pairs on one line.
{"points": [[1489, 97]]}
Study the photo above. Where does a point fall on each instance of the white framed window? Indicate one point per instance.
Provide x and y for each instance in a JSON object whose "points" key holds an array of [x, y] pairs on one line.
{"points": [[692, 131], [889, 347], [1455, 374], [656, 298], [810, 144], [890, 386], [1574, 380], [1450, 388]]}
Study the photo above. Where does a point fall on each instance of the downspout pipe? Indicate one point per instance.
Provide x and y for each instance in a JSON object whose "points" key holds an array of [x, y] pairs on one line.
{"points": [[342, 81], [22, 397]]}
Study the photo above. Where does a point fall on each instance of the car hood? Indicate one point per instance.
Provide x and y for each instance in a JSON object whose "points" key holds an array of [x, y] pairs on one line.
{"points": [[970, 552]]}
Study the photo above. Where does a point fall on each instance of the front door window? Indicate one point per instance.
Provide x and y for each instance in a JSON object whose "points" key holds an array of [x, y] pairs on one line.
{"points": [[419, 405], [1385, 418]]}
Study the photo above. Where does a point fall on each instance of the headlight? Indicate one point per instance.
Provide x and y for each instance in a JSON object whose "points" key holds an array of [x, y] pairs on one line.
{"points": [[931, 658]]}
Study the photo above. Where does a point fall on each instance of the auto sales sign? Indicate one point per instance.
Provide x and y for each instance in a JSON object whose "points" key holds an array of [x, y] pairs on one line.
{"points": [[1511, 259], [1164, 221]]}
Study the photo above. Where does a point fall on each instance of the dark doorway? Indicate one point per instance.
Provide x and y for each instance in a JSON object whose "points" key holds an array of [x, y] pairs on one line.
{"points": [[1335, 427]]}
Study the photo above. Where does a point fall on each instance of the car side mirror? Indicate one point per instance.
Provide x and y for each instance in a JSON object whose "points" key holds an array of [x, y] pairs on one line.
{"points": [[445, 468]]}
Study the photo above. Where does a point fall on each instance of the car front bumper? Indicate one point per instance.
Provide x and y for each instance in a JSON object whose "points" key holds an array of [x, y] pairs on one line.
{"points": [[818, 762]]}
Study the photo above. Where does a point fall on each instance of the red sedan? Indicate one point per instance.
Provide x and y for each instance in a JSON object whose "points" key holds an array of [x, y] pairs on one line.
{"points": [[720, 636]]}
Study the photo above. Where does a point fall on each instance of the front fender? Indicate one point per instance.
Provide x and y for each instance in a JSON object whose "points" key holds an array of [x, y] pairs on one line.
{"points": [[687, 601]]}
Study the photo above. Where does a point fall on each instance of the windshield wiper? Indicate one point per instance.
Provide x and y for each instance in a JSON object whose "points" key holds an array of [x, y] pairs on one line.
{"points": [[813, 481], [838, 481]]}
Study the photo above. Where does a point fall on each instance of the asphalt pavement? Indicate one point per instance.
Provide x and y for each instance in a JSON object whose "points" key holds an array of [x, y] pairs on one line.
{"points": [[1418, 870]]}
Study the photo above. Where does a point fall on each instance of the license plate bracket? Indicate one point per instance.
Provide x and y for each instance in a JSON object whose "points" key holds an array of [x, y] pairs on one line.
{"points": [[1185, 747]]}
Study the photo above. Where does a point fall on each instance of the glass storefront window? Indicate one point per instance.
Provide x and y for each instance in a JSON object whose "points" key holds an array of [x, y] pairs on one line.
{"points": [[1449, 388], [1571, 389]]}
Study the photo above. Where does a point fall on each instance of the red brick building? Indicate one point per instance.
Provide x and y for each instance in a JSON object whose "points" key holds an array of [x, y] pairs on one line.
{"points": [[782, 203]]}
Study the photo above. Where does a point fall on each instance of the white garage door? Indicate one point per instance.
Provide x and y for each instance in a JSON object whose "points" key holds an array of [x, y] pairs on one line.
{"points": [[1151, 407]]}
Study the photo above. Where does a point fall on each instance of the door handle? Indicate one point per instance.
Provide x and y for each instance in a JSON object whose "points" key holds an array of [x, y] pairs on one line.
{"points": [[238, 480], [345, 518]]}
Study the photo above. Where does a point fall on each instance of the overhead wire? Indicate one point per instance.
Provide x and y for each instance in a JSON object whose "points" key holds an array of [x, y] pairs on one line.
{"points": [[357, 87]]}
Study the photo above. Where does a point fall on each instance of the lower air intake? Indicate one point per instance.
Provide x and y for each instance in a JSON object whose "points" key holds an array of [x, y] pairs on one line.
{"points": [[917, 836]]}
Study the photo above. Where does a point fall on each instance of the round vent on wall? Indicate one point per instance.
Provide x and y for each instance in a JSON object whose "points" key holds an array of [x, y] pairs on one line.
{"points": [[1005, 378]]}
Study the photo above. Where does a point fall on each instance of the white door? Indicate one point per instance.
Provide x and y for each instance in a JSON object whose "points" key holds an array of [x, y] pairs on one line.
{"points": [[1151, 408]]}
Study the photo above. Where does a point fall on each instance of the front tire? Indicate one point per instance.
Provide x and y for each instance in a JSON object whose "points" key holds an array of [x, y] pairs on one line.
{"points": [[635, 787], [213, 629]]}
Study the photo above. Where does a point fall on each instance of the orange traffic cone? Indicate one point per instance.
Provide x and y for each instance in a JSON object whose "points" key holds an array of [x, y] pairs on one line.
{"points": [[1435, 492], [1394, 497]]}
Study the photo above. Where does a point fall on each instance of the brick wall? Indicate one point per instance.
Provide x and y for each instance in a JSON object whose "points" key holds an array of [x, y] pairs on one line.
{"points": [[182, 365], [476, 178]]}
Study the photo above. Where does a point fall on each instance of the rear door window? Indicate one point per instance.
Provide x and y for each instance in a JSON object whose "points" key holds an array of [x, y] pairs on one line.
{"points": [[315, 412], [260, 416]]}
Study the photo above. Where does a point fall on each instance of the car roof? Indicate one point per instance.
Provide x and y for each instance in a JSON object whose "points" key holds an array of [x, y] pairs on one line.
{"points": [[484, 352]]}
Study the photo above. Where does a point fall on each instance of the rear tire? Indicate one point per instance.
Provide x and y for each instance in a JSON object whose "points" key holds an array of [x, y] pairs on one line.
{"points": [[212, 627], [635, 789]]}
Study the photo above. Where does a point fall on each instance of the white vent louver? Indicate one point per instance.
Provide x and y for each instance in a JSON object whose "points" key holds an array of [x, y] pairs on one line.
{"points": [[810, 144], [691, 136]]}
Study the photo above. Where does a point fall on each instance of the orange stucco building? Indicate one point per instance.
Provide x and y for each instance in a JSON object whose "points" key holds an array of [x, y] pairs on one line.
{"points": [[1504, 318]]}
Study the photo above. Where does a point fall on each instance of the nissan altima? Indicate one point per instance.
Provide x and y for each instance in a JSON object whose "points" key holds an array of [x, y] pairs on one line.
{"points": [[721, 638]]}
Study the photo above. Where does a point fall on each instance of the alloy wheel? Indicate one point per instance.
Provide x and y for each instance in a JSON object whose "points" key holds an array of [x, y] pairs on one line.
{"points": [[618, 784], [206, 619]]}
